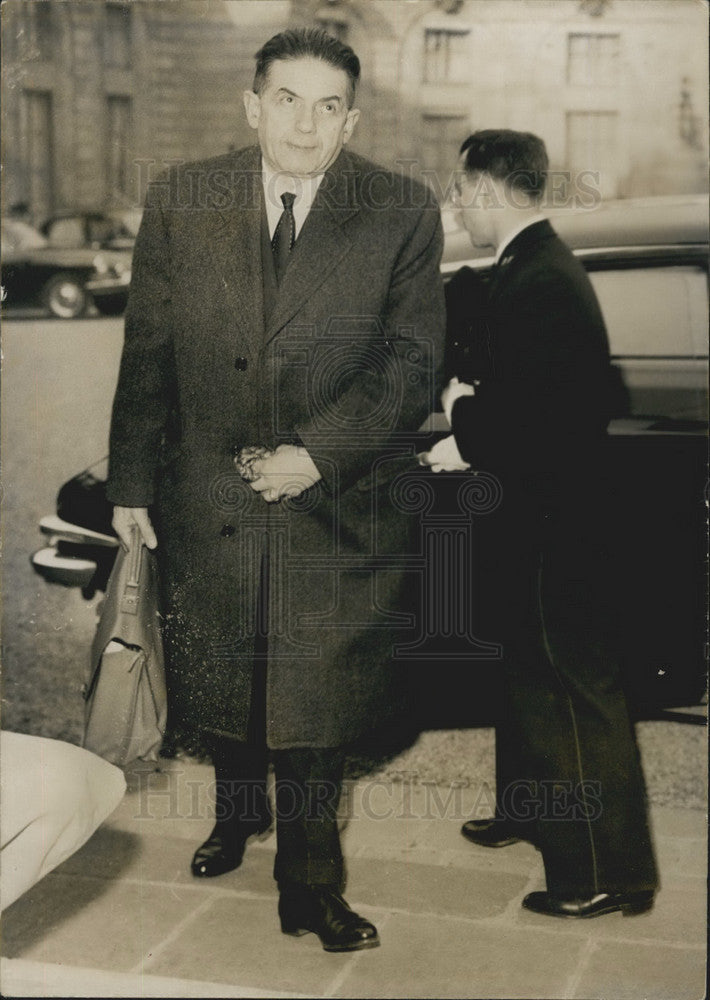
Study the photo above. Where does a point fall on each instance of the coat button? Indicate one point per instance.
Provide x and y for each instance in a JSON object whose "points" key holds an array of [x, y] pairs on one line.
{"points": [[227, 530], [241, 364]]}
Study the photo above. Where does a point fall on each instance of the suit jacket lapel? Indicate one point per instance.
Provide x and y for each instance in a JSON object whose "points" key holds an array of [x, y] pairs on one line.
{"points": [[235, 247], [320, 246]]}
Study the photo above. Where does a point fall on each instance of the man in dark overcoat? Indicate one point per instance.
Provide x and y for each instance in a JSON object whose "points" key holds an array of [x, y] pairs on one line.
{"points": [[285, 316], [535, 416]]}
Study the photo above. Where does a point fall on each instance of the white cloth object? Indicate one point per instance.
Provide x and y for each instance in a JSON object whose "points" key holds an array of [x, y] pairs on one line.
{"points": [[444, 457], [54, 796], [454, 391]]}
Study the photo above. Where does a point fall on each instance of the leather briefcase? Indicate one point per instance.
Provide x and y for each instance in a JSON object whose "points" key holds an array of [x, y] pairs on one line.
{"points": [[125, 694]]}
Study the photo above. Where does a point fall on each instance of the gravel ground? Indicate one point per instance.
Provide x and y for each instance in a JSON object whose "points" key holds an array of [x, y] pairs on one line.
{"points": [[674, 758]]}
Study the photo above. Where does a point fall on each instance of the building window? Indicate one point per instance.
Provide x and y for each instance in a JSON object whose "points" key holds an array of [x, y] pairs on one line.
{"points": [[38, 27], [688, 121], [442, 136], [117, 36], [119, 145], [592, 150], [37, 151], [445, 56], [593, 60]]}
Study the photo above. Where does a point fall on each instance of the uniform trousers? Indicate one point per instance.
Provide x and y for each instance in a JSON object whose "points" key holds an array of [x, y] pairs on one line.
{"points": [[568, 768]]}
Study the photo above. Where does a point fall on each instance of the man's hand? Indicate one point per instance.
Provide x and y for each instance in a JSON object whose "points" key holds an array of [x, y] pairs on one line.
{"points": [[444, 457], [124, 517], [286, 472], [452, 392]]}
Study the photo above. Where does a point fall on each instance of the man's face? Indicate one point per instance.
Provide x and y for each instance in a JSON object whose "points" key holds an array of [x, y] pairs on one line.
{"points": [[301, 115], [477, 197]]}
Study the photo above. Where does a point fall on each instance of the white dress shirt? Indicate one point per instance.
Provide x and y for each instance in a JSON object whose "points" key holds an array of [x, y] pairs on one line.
{"points": [[276, 183]]}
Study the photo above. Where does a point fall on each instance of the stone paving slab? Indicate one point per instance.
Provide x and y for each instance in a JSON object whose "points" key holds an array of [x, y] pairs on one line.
{"points": [[427, 889], [448, 912], [666, 822], [453, 957], [99, 923], [681, 855], [237, 940], [644, 972], [112, 853], [23, 978]]}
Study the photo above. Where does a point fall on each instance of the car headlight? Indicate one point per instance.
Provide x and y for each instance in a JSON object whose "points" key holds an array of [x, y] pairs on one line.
{"points": [[100, 263]]}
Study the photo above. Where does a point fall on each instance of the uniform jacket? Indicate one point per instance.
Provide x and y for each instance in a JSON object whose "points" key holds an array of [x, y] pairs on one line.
{"points": [[344, 358], [541, 411]]}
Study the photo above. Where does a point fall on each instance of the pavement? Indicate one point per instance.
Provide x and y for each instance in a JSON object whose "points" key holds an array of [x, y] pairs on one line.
{"points": [[123, 917]]}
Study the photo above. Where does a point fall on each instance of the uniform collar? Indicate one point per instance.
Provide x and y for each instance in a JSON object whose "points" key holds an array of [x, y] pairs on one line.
{"points": [[531, 220]]}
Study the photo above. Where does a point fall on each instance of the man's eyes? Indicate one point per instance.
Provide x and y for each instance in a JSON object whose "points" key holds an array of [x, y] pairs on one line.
{"points": [[323, 108]]}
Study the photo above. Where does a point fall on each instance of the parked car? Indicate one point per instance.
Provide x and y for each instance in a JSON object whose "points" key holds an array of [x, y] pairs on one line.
{"points": [[35, 272], [114, 233], [649, 263], [98, 230]]}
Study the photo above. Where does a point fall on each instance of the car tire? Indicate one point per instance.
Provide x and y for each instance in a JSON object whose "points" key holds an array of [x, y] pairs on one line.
{"points": [[65, 296], [111, 305]]}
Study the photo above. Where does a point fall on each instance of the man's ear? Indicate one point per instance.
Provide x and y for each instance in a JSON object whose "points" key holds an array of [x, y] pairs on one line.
{"points": [[350, 123], [252, 106]]}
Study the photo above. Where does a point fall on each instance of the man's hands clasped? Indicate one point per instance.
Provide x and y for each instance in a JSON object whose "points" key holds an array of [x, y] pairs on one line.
{"points": [[286, 472]]}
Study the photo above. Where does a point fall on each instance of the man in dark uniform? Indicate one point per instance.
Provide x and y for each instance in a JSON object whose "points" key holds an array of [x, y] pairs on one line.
{"points": [[286, 312], [535, 415]]}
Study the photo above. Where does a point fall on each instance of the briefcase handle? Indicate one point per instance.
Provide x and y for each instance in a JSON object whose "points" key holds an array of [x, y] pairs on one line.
{"points": [[129, 599]]}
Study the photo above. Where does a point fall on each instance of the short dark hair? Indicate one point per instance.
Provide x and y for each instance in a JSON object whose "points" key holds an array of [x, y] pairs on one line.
{"points": [[298, 43], [518, 158]]}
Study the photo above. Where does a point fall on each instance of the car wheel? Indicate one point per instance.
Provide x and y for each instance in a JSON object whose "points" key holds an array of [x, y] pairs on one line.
{"points": [[111, 305], [65, 296]]}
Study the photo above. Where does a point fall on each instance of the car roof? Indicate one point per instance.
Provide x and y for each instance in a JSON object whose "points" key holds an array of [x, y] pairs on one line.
{"points": [[129, 218], [669, 220]]}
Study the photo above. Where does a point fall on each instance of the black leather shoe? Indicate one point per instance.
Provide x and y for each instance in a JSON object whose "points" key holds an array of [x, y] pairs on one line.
{"points": [[326, 914], [224, 849], [630, 903], [490, 832]]}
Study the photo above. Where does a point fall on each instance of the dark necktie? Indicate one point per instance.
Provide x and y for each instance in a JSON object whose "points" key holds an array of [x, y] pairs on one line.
{"points": [[284, 235]]}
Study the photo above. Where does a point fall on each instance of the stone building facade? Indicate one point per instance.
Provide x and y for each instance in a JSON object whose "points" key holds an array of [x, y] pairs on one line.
{"points": [[99, 95], [615, 87]]}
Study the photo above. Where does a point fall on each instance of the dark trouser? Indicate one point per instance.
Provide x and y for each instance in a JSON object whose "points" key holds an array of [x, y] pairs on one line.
{"points": [[567, 758], [308, 787]]}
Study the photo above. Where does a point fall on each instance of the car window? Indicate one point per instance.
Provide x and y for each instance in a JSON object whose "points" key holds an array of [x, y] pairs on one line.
{"points": [[66, 233], [654, 312], [102, 230]]}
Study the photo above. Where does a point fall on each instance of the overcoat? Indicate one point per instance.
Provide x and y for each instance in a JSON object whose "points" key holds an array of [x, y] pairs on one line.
{"points": [[342, 358]]}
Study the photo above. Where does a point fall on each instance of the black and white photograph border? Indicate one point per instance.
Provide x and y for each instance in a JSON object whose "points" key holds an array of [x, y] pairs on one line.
{"points": [[99, 100]]}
